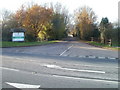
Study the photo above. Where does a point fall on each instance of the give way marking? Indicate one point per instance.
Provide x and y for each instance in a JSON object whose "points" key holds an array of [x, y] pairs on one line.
{"points": [[19, 85]]}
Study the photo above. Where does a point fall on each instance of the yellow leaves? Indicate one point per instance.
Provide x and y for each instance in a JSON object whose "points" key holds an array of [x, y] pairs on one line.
{"points": [[35, 17], [86, 14], [85, 18]]}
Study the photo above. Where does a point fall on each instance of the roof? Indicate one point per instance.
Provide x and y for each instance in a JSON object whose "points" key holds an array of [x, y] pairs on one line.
{"points": [[18, 30]]}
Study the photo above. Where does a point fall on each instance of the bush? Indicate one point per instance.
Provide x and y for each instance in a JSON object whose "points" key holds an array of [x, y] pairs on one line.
{"points": [[6, 35], [30, 36]]}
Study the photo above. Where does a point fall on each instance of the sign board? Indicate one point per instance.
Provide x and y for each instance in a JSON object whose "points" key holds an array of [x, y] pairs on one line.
{"points": [[18, 36]]}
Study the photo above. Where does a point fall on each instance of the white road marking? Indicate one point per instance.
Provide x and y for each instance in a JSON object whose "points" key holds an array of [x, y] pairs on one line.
{"points": [[52, 66], [111, 58], [101, 57], [91, 71], [78, 78], [19, 85], [91, 56], [65, 50], [70, 47], [94, 66], [10, 69], [69, 69], [82, 56]]}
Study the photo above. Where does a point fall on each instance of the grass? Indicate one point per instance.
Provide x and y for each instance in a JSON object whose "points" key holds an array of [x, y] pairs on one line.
{"points": [[17, 44], [103, 45]]}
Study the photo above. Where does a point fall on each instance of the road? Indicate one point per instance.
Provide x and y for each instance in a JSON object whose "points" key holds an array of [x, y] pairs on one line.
{"points": [[67, 64]]}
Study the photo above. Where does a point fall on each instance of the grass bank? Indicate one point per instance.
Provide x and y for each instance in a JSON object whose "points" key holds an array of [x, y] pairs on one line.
{"points": [[114, 47], [20, 44]]}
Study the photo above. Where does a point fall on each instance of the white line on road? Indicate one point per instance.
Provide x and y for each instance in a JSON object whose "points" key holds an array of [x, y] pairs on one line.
{"points": [[19, 85], [10, 69], [66, 50], [52, 66], [69, 69], [111, 58], [91, 57], [101, 57], [91, 71], [78, 78], [82, 56]]}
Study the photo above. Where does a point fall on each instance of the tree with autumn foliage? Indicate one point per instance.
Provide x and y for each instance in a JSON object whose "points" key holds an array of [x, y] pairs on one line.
{"points": [[85, 22], [42, 22], [34, 19]]}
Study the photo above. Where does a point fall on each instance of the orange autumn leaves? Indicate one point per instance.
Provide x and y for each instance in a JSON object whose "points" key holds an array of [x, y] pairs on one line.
{"points": [[34, 19]]}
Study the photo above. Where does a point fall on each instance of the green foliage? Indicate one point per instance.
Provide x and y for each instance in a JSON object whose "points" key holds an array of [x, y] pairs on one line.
{"points": [[15, 44], [96, 33], [6, 35], [30, 36], [8, 23], [114, 47], [104, 21], [112, 34], [105, 29], [58, 27], [41, 23], [115, 36]]}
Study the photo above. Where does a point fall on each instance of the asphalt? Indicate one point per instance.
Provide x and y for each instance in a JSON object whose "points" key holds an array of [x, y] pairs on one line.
{"points": [[66, 64], [66, 48], [52, 81]]}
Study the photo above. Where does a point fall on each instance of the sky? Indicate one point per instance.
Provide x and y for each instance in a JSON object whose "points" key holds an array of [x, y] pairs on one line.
{"points": [[102, 8]]}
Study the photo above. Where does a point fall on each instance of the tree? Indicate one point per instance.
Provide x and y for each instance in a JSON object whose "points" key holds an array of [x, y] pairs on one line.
{"points": [[34, 19], [115, 34], [59, 21], [85, 21], [105, 27], [8, 22], [58, 24], [40, 22]]}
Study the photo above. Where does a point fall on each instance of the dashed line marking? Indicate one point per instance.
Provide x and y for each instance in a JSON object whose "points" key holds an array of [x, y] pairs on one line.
{"points": [[111, 58], [81, 56], [101, 57], [92, 57]]}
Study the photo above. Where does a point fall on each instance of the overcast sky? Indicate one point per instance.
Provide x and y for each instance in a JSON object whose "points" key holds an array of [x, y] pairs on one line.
{"points": [[102, 8]]}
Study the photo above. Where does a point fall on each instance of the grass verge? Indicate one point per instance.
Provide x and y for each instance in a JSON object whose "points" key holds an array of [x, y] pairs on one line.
{"points": [[103, 45], [20, 44]]}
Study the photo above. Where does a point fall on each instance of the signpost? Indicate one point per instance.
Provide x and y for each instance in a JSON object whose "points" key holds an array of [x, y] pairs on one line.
{"points": [[18, 36]]}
